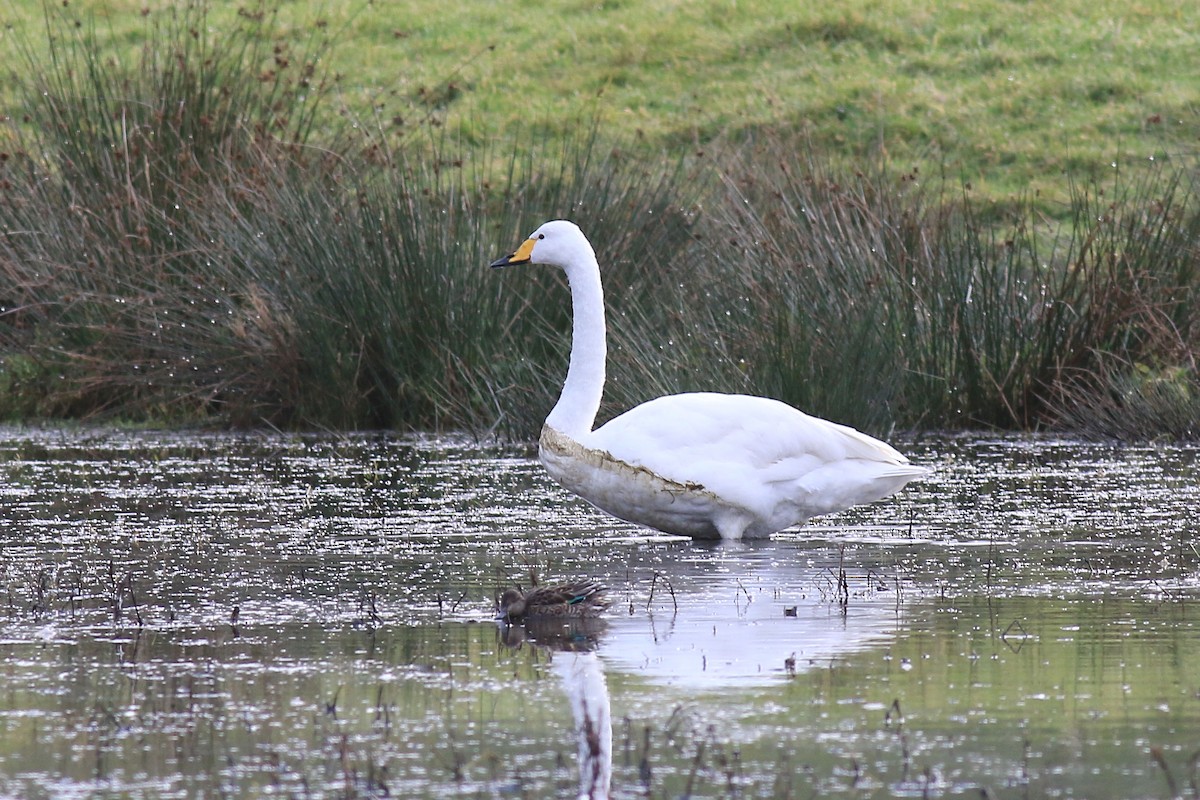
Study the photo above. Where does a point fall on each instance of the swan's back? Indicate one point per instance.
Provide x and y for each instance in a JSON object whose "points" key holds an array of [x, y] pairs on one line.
{"points": [[776, 465]]}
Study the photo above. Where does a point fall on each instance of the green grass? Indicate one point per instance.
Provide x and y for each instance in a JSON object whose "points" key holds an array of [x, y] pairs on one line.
{"points": [[1008, 96]]}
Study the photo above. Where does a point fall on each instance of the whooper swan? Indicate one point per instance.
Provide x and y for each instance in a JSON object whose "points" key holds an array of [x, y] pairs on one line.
{"points": [[701, 464]]}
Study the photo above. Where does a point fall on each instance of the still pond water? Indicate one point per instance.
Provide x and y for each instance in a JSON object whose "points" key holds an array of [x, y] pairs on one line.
{"points": [[311, 616]]}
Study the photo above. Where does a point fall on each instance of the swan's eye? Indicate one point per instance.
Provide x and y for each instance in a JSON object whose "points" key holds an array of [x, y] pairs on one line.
{"points": [[541, 236]]}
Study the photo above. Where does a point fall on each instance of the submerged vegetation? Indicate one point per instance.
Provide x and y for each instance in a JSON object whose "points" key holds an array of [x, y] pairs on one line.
{"points": [[191, 238]]}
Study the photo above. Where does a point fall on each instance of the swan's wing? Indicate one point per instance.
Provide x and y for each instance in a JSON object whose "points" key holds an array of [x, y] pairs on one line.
{"points": [[755, 451], [671, 431]]}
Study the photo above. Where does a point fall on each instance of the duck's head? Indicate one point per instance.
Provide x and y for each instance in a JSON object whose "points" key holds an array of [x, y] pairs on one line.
{"points": [[512, 604], [558, 242]]}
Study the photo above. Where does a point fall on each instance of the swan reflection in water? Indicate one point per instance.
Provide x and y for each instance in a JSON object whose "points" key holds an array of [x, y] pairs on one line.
{"points": [[761, 619], [573, 643], [747, 616]]}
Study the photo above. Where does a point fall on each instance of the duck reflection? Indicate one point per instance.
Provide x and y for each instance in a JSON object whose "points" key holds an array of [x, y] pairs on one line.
{"points": [[572, 643]]}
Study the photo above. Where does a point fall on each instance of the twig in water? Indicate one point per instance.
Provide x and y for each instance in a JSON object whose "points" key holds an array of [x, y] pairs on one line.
{"points": [[331, 706], [627, 735], [1020, 638], [137, 612], [726, 764], [368, 604], [383, 713], [734, 773], [1025, 748], [456, 763], [1157, 754], [782, 785], [928, 779], [41, 592], [843, 583], [348, 772], [987, 575], [115, 594], [629, 582], [743, 588], [645, 772], [77, 594], [736, 601], [875, 582], [674, 722], [687, 792], [887, 718], [670, 588], [377, 779]]}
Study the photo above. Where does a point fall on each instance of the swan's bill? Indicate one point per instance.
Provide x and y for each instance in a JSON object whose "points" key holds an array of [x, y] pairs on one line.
{"points": [[521, 256]]}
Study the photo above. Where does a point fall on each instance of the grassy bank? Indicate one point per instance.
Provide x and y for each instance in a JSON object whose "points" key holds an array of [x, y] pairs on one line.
{"points": [[194, 232], [1009, 96]]}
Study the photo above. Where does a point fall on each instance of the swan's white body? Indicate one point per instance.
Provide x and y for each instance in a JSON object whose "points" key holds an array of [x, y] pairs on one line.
{"points": [[703, 465]]}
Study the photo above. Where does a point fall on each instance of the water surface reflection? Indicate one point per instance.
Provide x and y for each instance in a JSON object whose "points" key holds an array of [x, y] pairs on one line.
{"points": [[311, 615]]}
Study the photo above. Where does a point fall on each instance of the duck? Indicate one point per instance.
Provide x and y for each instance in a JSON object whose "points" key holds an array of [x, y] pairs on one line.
{"points": [[569, 600], [706, 465]]}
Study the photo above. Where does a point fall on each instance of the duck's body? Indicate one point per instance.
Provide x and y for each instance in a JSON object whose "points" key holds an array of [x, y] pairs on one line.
{"points": [[582, 599], [703, 465]]}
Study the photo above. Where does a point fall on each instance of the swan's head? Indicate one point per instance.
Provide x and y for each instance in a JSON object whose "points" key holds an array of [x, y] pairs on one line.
{"points": [[558, 242]]}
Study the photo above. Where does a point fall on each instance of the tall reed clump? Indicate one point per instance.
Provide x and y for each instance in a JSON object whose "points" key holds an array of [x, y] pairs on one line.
{"points": [[378, 278], [505, 356], [1143, 380], [883, 301], [106, 164], [182, 240]]}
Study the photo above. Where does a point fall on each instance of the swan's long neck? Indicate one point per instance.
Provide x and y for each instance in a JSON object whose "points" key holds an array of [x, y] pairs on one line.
{"points": [[575, 412]]}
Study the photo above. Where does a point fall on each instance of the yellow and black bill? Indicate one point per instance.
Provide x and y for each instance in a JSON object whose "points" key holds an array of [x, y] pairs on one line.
{"points": [[521, 256]]}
